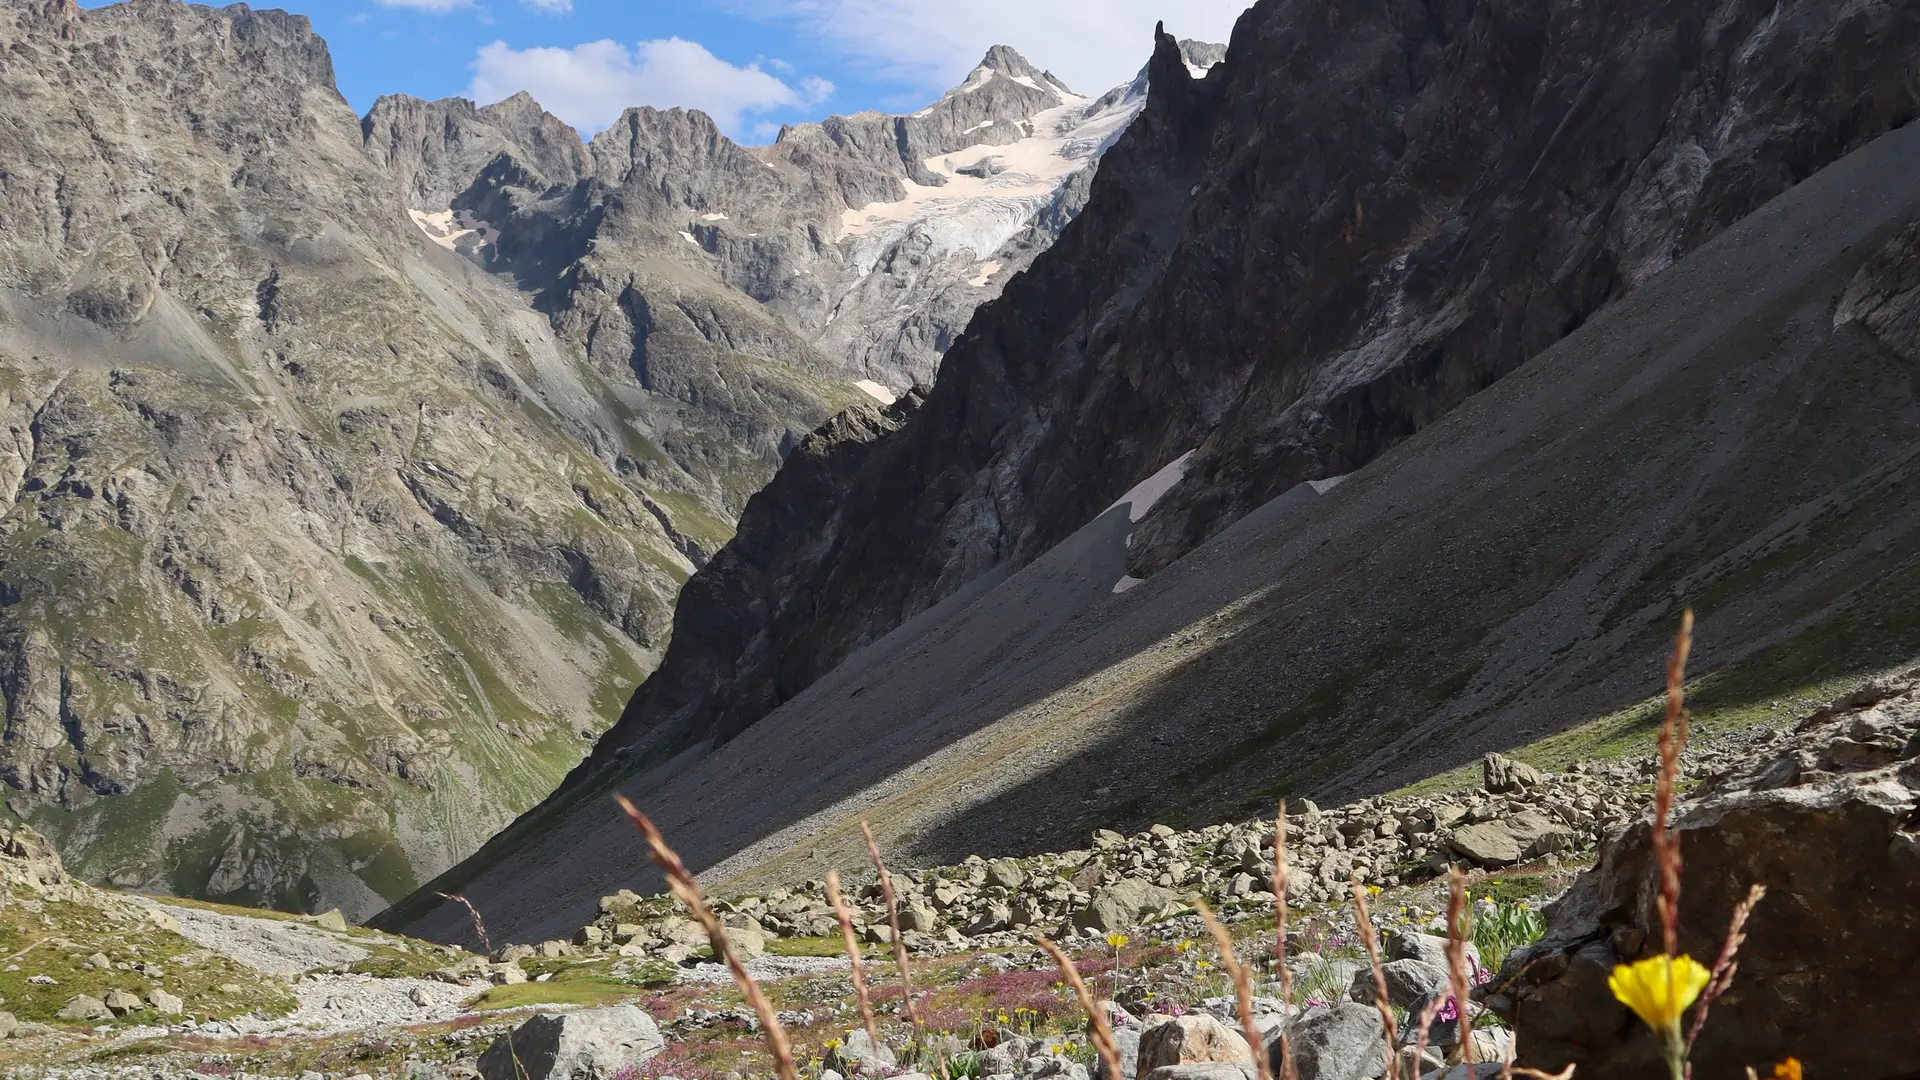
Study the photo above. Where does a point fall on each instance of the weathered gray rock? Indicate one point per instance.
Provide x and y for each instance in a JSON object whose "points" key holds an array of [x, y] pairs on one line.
{"points": [[1005, 873], [1123, 904], [84, 1007], [1500, 774], [164, 1003], [1194, 1038], [1204, 1070], [1527, 834], [587, 1045], [857, 1055], [1345, 1042], [121, 1002], [1408, 983], [1126, 1042], [1827, 822]]}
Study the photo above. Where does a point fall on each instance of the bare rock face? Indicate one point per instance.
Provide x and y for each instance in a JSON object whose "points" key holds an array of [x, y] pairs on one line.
{"points": [[1829, 821], [322, 551], [1292, 277]]}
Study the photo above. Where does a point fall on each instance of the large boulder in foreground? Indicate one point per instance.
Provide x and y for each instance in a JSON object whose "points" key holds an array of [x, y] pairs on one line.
{"points": [[1826, 818], [587, 1045]]}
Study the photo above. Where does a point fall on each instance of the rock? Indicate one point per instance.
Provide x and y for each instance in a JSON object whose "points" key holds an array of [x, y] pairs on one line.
{"points": [[856, 1055], [1345, 1042], [994, 918], [506, 974], [330, 920], [512, 954], [589, 936], [1825, 820], [1196, 1037], [1527, 834], [746, 944], [1204, 1070], [419, 996], [1476, 1071], [587, 1045], [8, 1024], [1408, 983], [554, 950], [1122, 905], [879, 934], [83, 1007], [1005, 873], [1126, 1041], [121, 1002], [918, 917], [1501, 774], [1426, 948]]}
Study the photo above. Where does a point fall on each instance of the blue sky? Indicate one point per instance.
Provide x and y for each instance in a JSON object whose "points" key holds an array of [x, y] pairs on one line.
{"points": [[752, 64]]}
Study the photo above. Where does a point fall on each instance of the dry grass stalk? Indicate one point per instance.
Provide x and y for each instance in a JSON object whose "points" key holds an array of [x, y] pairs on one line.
{"points": [[845, 916], [1459, 928], [900, 947], [1372, 943], [1673, 740], [1242, 988], [1729, 961], [473, 913], [1287, 1069], [1096, 1019], [680, 880]]}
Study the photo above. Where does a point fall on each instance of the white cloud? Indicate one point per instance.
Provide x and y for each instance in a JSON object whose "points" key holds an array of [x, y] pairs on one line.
{"points": [[589, 85], [931, 44], [557, 6], [438, 7]]}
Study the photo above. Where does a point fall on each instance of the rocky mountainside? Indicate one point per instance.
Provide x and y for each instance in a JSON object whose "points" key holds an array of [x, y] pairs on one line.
{"points": [[323, 550], [894, 631], [873, 236]]}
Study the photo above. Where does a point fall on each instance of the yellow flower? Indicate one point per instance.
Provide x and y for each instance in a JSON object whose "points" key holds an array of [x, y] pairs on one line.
{"points": [[1182, 946], [1203, 965], [1787, 1070], [1374, 890], [1659, 988], [1117, 940]]}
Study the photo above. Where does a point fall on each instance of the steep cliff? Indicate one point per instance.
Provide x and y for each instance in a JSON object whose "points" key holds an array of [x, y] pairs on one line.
{"points": [[1293, 264], [1360, 221]]}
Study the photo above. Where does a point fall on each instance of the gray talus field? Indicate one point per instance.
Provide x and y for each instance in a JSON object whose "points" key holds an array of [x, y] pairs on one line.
{"points": [[1737, 435]]}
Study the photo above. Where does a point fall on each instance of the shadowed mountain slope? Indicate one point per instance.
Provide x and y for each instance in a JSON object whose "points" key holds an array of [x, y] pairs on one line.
{"points": [[1734, 431]]}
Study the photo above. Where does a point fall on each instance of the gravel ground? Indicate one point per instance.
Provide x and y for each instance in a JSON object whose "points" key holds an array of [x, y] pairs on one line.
{"points": [[766, 967], [271, 946]]}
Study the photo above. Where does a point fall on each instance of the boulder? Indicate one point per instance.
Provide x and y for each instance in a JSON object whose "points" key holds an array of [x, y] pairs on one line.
{"points": [[166, 1004], [586, 1045], [1501, 774], [856, 1055], [1204, 1070], [1829, 821], [1005, 873], [330, 920], [81, 1007], [8, 1024], [1528, 834], [746, 944], [1346, 1042], [121, 1002], [1409, 982], [1196, 1037], [1126, 1042], [1426, 948], [1123, 904]]}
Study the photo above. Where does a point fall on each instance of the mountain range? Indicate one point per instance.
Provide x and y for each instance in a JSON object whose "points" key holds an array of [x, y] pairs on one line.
{"points": [[1399, 382], [354, 463]]}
